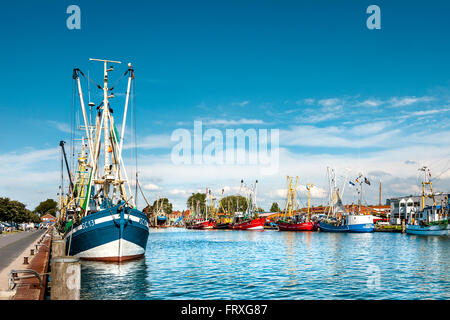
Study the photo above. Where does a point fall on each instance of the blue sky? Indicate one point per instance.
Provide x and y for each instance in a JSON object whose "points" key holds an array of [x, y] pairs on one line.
{"points": [[340, 94]]}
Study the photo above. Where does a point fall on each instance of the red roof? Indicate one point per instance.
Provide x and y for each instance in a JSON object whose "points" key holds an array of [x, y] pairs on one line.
{"points": [[48, 217]]}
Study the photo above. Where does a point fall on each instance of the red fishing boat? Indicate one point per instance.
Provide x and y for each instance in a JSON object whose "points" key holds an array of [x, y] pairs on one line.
{"points": [[203, 224], [252, 224], [298, 222], [293, 226], [249, 219]]}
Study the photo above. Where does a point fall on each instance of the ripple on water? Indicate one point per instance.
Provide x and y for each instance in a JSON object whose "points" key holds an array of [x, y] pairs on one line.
{"points": [[224, 264]]}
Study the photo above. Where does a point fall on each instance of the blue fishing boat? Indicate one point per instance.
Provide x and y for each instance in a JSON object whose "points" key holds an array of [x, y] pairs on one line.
{"points": [[116, 233], [338, 219], [100, 214], [162, 218]]}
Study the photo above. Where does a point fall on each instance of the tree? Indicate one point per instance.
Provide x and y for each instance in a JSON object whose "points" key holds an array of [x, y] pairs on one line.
{"points": [[275, 207], [48, 206], [162, 204], [15, 211], [6, 214], [233, 204], [194, 199]]}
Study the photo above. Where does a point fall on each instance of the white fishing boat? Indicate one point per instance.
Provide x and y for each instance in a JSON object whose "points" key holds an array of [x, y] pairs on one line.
{"points": [[433, 219], [338, 219]]}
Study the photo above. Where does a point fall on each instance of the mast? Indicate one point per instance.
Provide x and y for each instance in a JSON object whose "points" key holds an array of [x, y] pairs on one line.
{"points": [[427, 182], [360, 196], [113, 161], [309, 186], [379, 203]]}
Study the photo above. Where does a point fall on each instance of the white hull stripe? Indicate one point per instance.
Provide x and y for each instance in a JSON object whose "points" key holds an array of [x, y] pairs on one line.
{"points": [[103, 220], [255, 228], [116, 248]]}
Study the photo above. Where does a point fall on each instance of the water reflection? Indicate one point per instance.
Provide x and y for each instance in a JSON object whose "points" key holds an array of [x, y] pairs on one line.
{"points": [[114, 281], [223, 264]]}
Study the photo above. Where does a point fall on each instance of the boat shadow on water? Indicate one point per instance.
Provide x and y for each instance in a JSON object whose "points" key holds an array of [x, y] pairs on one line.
{"points": [[111, 280]]}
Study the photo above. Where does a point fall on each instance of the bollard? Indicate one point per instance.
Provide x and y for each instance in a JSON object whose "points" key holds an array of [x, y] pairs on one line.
{"points": [[32, 252], [25, 260], [58, 248], [66, 278], [403, 226]]}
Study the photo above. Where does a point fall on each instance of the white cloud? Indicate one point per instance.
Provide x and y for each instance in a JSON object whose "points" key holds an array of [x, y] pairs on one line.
{"points": [[329, 102], [61, 126], [318, 117], [348, 137], [151, 187], [370, 103], [307, 101], [225, 122], [316, 191], [406, 101], [178, 192], [428, 112], [241, 104], [152, 142]]}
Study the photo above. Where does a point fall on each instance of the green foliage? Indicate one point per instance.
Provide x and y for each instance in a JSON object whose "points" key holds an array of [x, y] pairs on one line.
{"points": [[48, 206], [233, 204], [163, 205], [15, 211], [275, 207], [195, 198]]}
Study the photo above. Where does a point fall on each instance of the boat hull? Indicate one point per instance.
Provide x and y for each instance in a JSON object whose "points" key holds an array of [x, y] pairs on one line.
{"points": [[443, 230], [222, 226], [361, 227], [304, 226], [254, 224], [109, 235], [357, 228], [355, 223], [327, 227], [204, 225]]}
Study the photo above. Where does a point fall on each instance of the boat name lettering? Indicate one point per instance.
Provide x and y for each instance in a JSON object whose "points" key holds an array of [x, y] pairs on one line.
{"points": [[142, 221], [88, 224]]}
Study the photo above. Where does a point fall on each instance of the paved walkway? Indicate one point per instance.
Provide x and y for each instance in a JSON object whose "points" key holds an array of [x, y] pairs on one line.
{"points": [[12, 245]]}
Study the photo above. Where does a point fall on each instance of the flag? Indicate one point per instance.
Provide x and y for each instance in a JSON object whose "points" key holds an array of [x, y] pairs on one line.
{"points": [[367, 181]]}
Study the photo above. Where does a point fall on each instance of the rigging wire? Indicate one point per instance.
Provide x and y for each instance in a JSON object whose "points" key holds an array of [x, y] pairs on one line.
{"points": [[72, 129], [444, 171], [131, 129], [135, 137]]}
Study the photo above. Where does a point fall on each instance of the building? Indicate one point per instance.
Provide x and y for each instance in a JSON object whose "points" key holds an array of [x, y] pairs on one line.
{"points": [[403, 208], [48, 219]]}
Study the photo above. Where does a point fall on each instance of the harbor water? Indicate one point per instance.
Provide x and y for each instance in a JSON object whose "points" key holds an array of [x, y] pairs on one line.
{"points": [[227, 264]]}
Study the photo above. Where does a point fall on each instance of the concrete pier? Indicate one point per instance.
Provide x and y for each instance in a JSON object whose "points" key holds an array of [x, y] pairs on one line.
{"points": [[58, 248], [66, 278]]}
